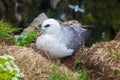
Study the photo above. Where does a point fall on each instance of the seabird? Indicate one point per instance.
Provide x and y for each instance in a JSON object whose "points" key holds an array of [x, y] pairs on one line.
{"points": [[59, 40]]}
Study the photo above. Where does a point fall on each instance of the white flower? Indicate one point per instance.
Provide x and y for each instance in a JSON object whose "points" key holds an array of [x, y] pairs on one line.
{"points": [[14, 78], [7, 63], [6, 57], [16, 68], [10, 67], [21, 74]]}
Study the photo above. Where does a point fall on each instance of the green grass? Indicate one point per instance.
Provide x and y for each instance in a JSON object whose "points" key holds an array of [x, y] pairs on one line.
{"points": [[6, 30], [114, 54], [55, 75], [83, 74], [29, 38], [66, 75]]}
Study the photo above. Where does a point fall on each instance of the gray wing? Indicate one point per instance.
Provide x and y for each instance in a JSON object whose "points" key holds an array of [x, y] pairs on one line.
{"points": [[81, 10], [83, 34], [71, 6], [73, 36]]}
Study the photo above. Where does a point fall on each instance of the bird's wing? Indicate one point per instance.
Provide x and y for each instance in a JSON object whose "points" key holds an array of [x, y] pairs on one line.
{"points": [[70, 37], [81, 10], [83, 34], [71, 6], [74, 36]]}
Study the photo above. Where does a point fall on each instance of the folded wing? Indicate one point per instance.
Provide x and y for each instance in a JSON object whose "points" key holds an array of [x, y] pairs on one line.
{"points": [[74, 36]]}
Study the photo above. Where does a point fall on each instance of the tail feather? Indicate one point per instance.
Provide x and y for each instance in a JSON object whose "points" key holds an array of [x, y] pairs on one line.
{"points": [[85, 35]]}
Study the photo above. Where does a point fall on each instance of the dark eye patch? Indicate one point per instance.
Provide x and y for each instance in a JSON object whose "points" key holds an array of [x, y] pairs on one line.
{"points": [[48, 25]]}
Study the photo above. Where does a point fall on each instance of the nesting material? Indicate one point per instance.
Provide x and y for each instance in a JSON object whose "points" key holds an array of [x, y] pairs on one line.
{"points": [[104, 59], [70, 23], [7, 41], [32, 63], [117, 37]]}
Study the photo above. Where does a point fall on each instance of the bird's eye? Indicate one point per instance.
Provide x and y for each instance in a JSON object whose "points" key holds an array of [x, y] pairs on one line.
{"points": [[47, 25]]}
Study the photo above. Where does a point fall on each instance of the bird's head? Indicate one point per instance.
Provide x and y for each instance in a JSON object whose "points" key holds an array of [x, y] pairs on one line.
{"points": [[50, 26]]}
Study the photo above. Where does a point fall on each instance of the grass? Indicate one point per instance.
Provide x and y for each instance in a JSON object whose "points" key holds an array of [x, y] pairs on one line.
{"points": [[55, 75], [80, 61], [6, 30], [29, 38], [67, 75], [114, 54]]}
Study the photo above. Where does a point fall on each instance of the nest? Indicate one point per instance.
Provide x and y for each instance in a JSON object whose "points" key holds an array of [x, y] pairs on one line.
{"points": [[32, 63], [70, 23], [104, 59]]}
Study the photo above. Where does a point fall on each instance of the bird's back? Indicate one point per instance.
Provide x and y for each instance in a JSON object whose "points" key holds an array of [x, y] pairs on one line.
{"points": [[74, 36], [84, 34]]}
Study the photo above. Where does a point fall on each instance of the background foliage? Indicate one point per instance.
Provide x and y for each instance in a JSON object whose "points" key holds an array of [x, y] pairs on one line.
{"points": [[104, 15]]}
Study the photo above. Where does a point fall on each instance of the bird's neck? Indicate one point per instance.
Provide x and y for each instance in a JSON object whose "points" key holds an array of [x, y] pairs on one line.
{"points": [[57, 33]]}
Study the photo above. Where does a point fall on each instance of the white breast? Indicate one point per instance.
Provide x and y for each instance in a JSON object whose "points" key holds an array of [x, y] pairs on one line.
{"points": [[52, 45]]}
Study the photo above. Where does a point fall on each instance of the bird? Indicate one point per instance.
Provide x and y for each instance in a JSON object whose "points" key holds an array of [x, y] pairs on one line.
{"points": [[59, 40], [76, 8]]}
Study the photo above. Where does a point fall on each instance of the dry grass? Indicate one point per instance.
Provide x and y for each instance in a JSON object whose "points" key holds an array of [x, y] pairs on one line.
{"points": [[104, 59], [32, 64], [117, 37]]}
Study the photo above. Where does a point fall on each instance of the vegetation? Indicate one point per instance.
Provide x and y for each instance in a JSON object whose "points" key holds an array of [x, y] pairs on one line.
{"points": [[66, 75], [99, 14], [8, 70], [114, 54], [6, 30], [29, 38], [103, 59]]}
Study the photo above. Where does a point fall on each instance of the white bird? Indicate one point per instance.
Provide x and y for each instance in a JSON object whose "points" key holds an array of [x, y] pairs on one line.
{"points": [[76, 8], [59, 40]]}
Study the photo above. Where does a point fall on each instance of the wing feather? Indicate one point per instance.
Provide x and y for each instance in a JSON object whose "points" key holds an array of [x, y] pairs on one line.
{"points": [[70, 38], [73, 36]]}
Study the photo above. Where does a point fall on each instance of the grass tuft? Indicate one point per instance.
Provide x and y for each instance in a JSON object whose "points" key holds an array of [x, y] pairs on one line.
{"points": [[6, 30], [67, 75], [29, 38], [114, 54]]}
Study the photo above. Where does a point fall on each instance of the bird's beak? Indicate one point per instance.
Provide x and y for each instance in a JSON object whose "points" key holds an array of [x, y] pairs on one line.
{"points": [[41, 31]]}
